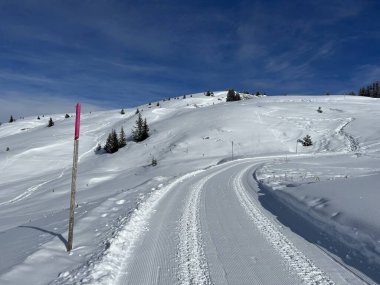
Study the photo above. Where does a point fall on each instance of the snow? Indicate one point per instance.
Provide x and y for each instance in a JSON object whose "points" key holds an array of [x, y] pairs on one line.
{"points": [[339, 195], [300, 264], [332, 185]]}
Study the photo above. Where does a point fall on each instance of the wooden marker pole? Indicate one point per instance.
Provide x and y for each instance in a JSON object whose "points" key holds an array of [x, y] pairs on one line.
{"points": [[74, 180]]}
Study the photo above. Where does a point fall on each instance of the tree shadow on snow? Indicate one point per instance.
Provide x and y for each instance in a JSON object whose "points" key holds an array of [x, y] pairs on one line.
{"points": [[61, 238], [326, 240]]}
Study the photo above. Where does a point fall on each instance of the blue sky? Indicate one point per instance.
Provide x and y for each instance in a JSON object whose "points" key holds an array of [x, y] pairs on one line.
{"points": [[113, 54]]}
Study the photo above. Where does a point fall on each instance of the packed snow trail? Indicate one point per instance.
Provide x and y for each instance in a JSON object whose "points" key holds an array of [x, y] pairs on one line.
{"points": [[296, 260], [192, 260], [207, 228]]}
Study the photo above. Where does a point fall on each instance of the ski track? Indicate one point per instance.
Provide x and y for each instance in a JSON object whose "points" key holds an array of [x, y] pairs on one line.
{"points": [[112, 264], [351, 143], [30, 191], [298, 263], [193, 268]]}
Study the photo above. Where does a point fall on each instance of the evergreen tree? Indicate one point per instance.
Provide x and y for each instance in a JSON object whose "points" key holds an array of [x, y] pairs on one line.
{"points": [[109, 144], [137, 111], [145, 130], [154, 161], [307, 141], [184, 97], [122, 112], [11, 120], [137, 132], [141, 131], [158, 104], [376, 89], [232, 96], [115, 141], [50, 123], [112, 143], [372, 90], [122, 138], [38, 118]]}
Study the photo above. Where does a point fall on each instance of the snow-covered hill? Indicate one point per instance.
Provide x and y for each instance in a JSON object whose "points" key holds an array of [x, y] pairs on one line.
{"points": [[331, 184]]}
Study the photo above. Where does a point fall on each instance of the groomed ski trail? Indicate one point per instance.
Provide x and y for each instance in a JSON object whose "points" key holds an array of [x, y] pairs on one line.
{"points": [[193, 268], [308, 272], [205, 228], [111, 266]]}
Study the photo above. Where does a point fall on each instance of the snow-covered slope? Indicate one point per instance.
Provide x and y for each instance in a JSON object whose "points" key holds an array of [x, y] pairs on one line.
{"points": [[119, 194]]}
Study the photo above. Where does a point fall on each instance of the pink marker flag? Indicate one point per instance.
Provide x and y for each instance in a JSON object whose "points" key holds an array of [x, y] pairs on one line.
{"points": [[77, 121]]}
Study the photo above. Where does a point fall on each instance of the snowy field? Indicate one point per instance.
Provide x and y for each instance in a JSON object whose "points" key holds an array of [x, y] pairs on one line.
{"points": [[278, 213]]}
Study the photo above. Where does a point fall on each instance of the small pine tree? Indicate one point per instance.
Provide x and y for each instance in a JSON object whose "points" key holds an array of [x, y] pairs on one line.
{"points": [[154, 161], [141, 131], [109, 144], [145, 130], [38, 118], [7, 149], [232, 96], [158, 104], [115, 141], [137, 111], [184, 97], [112, 143], [122, 112], [137, 132], [11, 119], [50, 123], [122, 138], [67, 116], [307, 141]]}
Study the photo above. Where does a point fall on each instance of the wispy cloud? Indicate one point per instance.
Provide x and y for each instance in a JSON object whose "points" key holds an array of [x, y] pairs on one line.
{"points": [[141, 51], [13, 76]]}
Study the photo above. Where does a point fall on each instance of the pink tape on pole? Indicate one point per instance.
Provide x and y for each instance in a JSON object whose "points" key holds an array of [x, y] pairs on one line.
{"points": [[77, 121]]}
